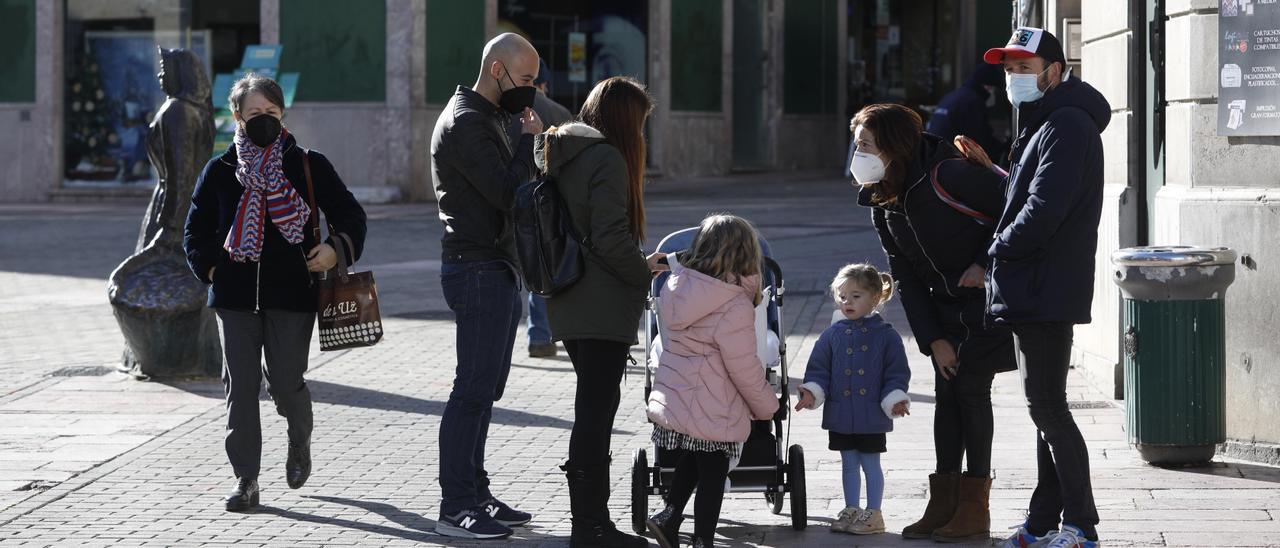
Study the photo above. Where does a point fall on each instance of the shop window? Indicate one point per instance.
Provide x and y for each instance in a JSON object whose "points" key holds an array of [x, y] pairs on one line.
{"points": [[338, 47], [455, 40], [582, 41], [111, 92], [696, 55], [810, 57], [18, 41]]}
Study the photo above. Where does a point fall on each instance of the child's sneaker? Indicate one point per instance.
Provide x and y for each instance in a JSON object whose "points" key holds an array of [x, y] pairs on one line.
{"points": [[869, 523], [846, 519], [1023, 539], [1069, 537]]}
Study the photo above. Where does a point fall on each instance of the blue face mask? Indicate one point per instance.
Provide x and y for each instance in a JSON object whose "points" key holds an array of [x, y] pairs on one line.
{"points": [[1024, 88]]}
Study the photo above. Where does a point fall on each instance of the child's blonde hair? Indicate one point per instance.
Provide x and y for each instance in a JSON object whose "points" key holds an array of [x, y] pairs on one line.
{"points": [[726, 247], [867, 278]]}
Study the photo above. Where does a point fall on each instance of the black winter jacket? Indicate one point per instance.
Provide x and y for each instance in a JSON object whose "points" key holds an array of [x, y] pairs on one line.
{"points": [[1042, 259], [280, 280], [475, 173], [929, 245]]}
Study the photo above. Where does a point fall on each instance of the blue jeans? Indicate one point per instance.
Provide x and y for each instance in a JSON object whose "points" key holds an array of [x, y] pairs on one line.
{"points": [[539, 330], [485, 299]]}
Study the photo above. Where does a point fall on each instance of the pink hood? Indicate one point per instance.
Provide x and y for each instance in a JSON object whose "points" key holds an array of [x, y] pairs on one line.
{"points": [[710, 382]]}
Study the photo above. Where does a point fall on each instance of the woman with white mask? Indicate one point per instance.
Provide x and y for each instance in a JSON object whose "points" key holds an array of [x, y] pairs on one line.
{"points": [[934, 210]]}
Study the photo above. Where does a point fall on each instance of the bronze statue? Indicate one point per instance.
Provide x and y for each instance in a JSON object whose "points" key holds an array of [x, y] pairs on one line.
{"points": [[160, 306]]}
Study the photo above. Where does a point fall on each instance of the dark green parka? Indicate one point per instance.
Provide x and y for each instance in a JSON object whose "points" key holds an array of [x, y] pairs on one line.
{"points": [[608, 301]]}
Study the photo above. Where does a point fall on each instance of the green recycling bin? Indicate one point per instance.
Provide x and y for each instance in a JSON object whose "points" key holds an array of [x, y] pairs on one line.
{"points": [[1174, 349]]}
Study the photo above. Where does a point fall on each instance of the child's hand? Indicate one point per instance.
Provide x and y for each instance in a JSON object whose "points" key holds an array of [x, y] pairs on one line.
{"points": [[806, 400], [901, 408]]}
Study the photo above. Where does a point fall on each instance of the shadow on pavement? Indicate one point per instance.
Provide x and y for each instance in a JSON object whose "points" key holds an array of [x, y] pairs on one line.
{"points": [[422, 530], [1256, 472], [339, 394], [416, 527]]}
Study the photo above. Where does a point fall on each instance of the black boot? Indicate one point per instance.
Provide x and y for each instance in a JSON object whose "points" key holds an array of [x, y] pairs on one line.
{"points": [[589, 506], [244, 497], [665, 526], [699, 542], [297, 468]]}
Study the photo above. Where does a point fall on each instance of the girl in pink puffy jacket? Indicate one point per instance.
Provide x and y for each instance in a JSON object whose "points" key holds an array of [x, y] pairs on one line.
{"points": [[710, 383]]}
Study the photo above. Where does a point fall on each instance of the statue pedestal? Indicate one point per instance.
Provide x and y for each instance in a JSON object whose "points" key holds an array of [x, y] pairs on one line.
{"points": [[160, 306]]}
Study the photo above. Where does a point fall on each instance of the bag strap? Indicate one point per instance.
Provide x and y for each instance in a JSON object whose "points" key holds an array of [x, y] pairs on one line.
{"points": [[342, 266], [956, 204]]}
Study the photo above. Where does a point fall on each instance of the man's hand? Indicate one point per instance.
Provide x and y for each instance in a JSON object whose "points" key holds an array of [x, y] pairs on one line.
{"points": [[530, 123], [321, 258], [975, 276], [944, 356], [901, 409], [806, 400], [972, 151]]}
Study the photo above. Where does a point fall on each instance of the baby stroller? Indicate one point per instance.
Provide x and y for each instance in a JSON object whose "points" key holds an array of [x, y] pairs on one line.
{"points": [[764, 467]]}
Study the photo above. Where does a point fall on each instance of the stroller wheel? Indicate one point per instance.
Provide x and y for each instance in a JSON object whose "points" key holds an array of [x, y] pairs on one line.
{"points": [[774, 500], [639, 491], [796, 485]]}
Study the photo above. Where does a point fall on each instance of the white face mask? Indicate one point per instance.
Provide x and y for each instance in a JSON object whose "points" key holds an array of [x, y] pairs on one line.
{"points": [[867, 168], [1023, 88]]}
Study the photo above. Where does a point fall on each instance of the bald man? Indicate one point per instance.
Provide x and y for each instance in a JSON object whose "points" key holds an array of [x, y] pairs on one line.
{"points": [[475, 172]]}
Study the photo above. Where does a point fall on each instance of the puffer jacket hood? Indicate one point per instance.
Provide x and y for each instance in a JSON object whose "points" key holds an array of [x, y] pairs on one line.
{"points": [[691, 296], [710, 383], [560, 145], [1072, 92]]}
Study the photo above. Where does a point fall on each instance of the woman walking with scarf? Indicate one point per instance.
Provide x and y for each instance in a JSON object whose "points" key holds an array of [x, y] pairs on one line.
{"points": [[248, 235]]}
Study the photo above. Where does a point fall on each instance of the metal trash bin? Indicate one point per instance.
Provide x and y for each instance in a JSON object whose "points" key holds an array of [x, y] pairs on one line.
{"points": [[1174, 349]]}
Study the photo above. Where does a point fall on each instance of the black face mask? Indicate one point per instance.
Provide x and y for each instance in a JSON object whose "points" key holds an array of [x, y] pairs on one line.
{"points": [[516, 99], [263, 130]]}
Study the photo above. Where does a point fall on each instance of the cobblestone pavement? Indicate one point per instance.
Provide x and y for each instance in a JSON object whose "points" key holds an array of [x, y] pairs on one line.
{"points": [[89, 457]]}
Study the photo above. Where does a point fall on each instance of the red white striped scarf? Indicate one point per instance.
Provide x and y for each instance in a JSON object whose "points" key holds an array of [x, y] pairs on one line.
{"points": [[265, 187]]}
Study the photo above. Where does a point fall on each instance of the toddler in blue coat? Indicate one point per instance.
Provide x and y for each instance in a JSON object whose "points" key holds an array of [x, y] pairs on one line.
{"points": [[859, 370]]}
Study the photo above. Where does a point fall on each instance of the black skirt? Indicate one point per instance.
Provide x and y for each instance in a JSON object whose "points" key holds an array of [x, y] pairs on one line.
{"points": [[862, 443]]}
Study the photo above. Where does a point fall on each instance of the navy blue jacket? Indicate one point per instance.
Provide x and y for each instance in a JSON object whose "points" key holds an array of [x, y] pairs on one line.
{"points": [[280, 280], [856, 366], [1042, 258], [929, 245], [964, 112]]}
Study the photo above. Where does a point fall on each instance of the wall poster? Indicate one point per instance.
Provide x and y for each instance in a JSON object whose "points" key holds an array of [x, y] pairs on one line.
{"points": [[1249, 68]]}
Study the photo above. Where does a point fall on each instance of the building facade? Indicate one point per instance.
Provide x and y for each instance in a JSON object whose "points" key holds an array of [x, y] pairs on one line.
{"points": [[738, 84], [1171, 179]]}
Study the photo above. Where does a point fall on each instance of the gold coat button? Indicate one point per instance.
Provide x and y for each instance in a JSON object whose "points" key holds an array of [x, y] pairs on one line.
{"points": [[864, 330], [863, 391], [864, 348], [849, 351], [848, 372], [849, 331], [846, 392], [862, 371]]}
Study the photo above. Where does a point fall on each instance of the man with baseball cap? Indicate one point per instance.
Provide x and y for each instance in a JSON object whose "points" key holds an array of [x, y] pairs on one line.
{"points": [[1040, 281]]}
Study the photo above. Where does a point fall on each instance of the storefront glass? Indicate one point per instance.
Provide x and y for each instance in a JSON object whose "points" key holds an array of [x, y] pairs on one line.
{"points": [[582, 41], [111, 89]]}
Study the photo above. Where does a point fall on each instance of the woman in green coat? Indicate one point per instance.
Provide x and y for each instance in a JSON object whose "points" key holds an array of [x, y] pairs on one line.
{"points": [[598, 165]]}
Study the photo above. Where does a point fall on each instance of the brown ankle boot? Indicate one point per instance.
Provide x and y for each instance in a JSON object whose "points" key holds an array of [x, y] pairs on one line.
{"points": [[943, 490], [972, 521]]}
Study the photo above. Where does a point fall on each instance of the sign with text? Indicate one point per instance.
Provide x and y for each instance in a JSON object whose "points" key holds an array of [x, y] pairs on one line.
{"points": [[1249, 67]]}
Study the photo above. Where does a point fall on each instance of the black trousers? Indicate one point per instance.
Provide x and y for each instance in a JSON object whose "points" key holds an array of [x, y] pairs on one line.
{"points": [[1064, 488], [705, 471], [962, 420], [285, 337], [599, 366]]}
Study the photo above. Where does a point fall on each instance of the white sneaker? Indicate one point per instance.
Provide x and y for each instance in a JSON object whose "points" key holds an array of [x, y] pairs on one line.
{"points": [[1023, 539], [845, 520], [1068, 537]]}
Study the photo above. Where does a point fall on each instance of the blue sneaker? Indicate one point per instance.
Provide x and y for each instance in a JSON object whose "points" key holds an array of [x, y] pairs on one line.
{"points": [[504, 514], [471, 523], [1069, 537], [1023, 539]]}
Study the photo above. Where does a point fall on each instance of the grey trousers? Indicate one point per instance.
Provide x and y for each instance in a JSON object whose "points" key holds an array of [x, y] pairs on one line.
{"points": [[285, 336]]}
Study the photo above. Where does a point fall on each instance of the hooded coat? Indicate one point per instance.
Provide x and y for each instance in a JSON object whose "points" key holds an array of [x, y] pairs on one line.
{"points": [[1042, 258], [710, 382], [607, 301], [929, 246]]}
